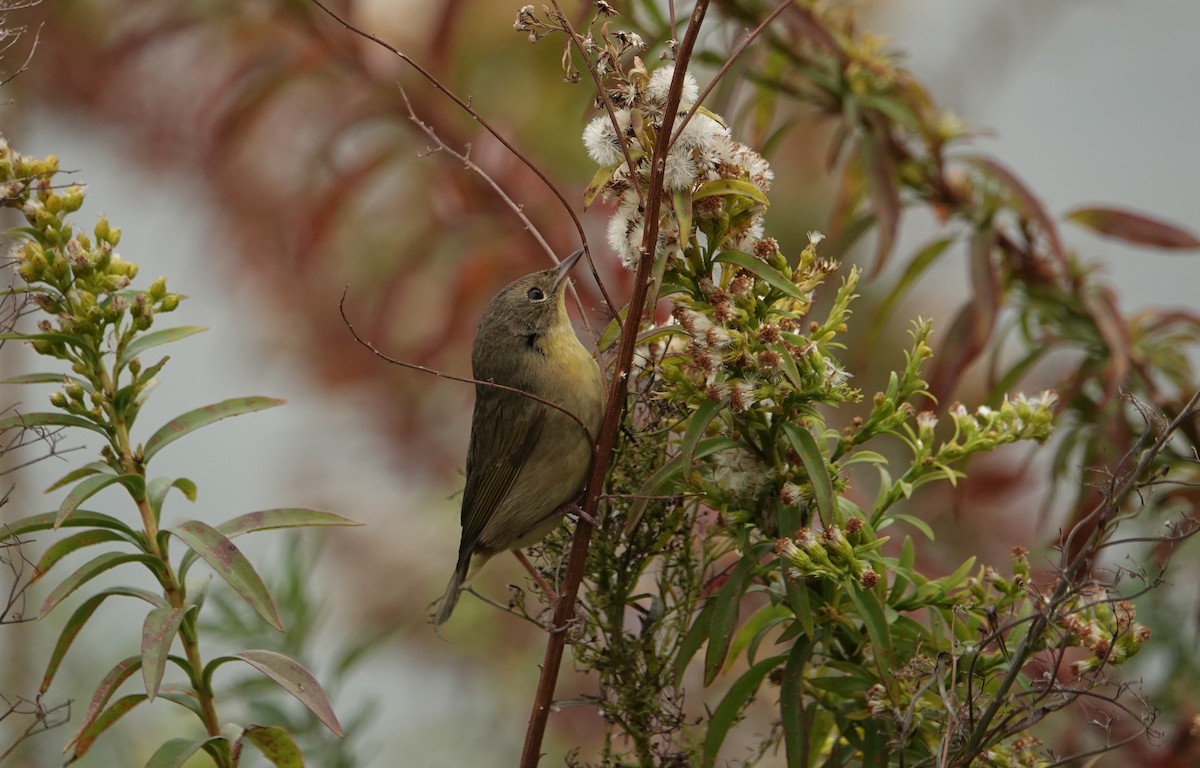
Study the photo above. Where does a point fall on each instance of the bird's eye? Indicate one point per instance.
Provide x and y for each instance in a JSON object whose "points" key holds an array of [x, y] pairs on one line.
{"points": [[535, 294]]}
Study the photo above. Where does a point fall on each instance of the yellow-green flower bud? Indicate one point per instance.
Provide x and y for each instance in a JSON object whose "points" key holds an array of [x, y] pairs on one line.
{"points": [[58, 400], [73, 199], [158, 289], [169, 303]]}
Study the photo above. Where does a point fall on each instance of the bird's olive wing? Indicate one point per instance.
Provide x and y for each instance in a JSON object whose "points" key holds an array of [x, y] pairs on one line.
{"points": [[504, 430]]}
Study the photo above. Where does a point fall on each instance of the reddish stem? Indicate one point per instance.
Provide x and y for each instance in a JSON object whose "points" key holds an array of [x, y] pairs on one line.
{"points": [[564, 611]]}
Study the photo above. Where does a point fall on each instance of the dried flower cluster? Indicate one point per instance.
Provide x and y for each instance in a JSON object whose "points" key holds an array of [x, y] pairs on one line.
{"points": [[702, 160]]}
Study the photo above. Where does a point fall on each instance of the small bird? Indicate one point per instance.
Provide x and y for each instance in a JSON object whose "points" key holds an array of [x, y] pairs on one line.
{"points": [[526, 459]]}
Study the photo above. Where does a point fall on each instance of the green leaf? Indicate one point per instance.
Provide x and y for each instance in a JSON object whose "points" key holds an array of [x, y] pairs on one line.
{"points": [[275, 744], [915, 522], [284, 517], [669, 470], [917, 265], [230, 564], [104, 691], [48, 378], [184, 697], [64, 547], [695, 637], [941, 587], [724, 187], [296, 680], [756, 626], [157, 489], [87, 470], [271, 519], [841, 684], [49, 419], [601, 177], [697, 424], [85, 739], [814, 464], [791, 704], [176, 752], [762, 271], [871, 610], [727, 603], [158, 634], [89, 487], [732, 704], [201, 417], [90, 570], [154, 339], [80, 618], [81, 519]]}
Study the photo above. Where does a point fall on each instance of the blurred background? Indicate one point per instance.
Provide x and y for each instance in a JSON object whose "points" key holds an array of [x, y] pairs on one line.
{"points": [[261, 157]]}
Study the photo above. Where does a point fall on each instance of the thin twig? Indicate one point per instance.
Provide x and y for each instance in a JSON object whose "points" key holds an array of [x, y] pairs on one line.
{"points": [[1073, 567], [471, 165], [466, 107], [564, 611]]}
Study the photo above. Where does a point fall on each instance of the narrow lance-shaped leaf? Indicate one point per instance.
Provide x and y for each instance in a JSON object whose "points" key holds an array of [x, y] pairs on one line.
{"points": [[884, 189], [48, 419], [695, 637], [761, 271], [231, 565], [90, 570], [791, 704], [728, 603], [925, 258], [79, 619], [104, 691], [1024, 200], [87, 470], [275, 744], [201, 417], [154, 339], [158, 634], [814, 464], [48, 378], [668, 471], [60, 549], [732, 705], [1135, 228], [176, 752], [973, 326], [296, 680], [102, 723], [157, 489], [81, 519], [270, 519], [89, 487], [723, 187]]}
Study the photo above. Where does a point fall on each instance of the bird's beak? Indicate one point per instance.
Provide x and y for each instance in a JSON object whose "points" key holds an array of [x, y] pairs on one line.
{"points": [[564, 268]]}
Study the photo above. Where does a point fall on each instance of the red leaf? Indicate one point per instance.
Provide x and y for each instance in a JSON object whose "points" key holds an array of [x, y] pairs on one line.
{"points": [[975, 322], [885, 196], [1026, 202], [1135, 228]]}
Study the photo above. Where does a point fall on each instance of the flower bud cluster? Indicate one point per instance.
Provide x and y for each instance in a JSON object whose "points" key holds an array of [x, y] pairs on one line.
{"points": [[1106, 628], [78, 280], [1018, 418], [829, 554]]}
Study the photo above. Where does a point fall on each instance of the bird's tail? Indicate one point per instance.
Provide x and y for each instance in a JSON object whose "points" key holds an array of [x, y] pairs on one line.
{"points": [[453, 589]]}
